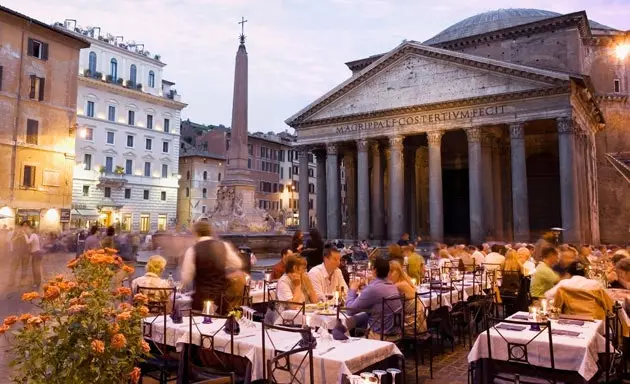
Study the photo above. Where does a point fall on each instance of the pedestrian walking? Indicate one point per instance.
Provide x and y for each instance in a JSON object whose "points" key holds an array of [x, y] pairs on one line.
{"points": [[20, 255], [36, 255]]}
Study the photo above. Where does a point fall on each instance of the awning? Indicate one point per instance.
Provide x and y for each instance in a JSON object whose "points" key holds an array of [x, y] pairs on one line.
{"points": [[85, 212], [28, 212]]}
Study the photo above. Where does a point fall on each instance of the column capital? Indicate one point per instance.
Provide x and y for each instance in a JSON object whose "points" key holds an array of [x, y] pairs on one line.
{"points": [[517, 131], [396, 143], [473, 134], [375, 148], [435, 137], [565, 126], [487, 139], [332, 149], [363, 145]]}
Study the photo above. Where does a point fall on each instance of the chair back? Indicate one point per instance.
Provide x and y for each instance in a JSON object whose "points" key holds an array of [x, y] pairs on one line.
{"points": [[392, 308], [287, 358], [269, 290], [415, 316], [280, 308], [510, 283], [517, 352], [158, 319]]}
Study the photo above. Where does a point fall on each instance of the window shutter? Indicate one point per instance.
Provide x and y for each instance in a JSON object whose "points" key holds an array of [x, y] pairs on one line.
{"points": [[42, 85], [0, 78], [32, 92], [30, 47], [44, 51]]}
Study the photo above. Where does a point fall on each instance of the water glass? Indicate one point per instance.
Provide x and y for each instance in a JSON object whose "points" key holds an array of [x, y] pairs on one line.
{"points": [[393, 372]]}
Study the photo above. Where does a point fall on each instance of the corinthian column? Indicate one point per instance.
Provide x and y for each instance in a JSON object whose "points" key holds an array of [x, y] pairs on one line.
{"points": [[304, 192], [351, 195], [333, 217], [363, 190], [487, 177], [568, 180], [436, 210], [477, 233], [396, 187], [520, 205], [376, 196], [321, 197]]}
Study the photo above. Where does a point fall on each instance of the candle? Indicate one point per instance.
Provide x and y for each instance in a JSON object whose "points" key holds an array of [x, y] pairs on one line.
{"points": [[543, 304], [268, 276], [535, 313], [414, 281], [207, 307], [308, 320]]}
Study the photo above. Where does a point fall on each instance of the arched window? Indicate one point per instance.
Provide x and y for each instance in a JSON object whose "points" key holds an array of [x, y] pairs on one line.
{"points": [[187, 192], [187, 175], [92, 64], [204, 192], [219, 176], [113, 69], [151, 79], [132, 74], [205, 175]]}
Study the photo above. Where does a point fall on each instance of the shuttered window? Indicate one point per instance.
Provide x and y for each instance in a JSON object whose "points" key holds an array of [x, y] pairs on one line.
{"points": [[32, 131], [37, 49]]}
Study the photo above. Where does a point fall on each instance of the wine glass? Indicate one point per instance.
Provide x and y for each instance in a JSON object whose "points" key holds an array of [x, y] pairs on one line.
{"points": [[366, 376], [355, 379], [393, 372], [379, 373]]}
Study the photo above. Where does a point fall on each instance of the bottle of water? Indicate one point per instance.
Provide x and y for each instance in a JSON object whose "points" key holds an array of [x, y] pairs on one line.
{"points": [[170, 280]]}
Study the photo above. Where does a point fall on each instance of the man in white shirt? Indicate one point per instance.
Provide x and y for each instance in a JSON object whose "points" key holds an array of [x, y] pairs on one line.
{"points": [[477, 255], [577, 281], [32, 239], [524, 256], [494, 260], [326, 277]]}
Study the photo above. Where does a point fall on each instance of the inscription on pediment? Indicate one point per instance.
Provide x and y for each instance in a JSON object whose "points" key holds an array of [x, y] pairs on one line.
{"points": [[416, 80]]}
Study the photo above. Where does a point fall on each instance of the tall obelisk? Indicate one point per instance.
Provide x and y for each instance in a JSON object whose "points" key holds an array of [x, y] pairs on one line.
{"points": [[235, 209]]}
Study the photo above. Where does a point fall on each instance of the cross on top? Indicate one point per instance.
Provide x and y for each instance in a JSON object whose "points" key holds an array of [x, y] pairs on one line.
{"points": [[242, 23]]}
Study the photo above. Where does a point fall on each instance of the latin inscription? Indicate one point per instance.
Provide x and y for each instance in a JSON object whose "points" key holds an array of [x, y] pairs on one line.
{"points": [[429, 118]]}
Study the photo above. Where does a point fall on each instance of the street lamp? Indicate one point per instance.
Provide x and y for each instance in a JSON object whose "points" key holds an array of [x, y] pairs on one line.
{"points": [[622, 50]]}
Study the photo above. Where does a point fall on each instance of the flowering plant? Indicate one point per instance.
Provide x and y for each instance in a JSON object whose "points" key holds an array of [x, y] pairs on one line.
{"points": [[84, 331]]}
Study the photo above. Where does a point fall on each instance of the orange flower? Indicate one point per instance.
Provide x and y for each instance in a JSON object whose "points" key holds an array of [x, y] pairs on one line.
{"points": [[45, 318], [74, 301], [128, 270], [30, 296], [52, 292], [73, 263], [24, 317], [143, 311], [114, 328], [9, 321], [59, 277], [72, 284], [119, 341], [85, 294], [146, 348], [123, 316], [98, 346], [100, 251], [123, 291], [3, 329], [35, 320], [63, 286], [134, 376], [111, 250], [76, 308], [141, 298], [125, 307]]}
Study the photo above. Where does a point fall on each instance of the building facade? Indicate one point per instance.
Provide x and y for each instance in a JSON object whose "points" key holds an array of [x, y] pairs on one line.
{"points": [[498, 128], [201, 173], [126, 172], [38, 90]]}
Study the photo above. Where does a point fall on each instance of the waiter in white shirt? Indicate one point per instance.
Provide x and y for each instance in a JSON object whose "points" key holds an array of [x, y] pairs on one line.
{"points": [[327, 277], [215, 269]]}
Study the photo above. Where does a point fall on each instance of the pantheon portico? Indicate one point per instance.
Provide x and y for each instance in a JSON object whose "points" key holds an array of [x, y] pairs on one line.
{"points": [[453, 146]]}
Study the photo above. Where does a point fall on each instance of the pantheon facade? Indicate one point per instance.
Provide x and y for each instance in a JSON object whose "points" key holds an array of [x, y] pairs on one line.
{"points": [[495, 129]]}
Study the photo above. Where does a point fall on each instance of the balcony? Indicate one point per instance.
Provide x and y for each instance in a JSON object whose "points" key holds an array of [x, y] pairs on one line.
{"points": [[111, 179], [111, 80]]}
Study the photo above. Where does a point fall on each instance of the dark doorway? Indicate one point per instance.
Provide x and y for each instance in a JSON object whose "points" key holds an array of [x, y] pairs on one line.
{"points": [[543, 190], [456, 204]]}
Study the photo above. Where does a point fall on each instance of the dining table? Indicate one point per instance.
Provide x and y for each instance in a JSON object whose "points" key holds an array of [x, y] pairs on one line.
{"points": [[577, 344], [332, 359]]}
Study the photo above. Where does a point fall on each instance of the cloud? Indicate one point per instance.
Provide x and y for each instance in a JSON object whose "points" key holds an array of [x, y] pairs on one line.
{"points": [[296, 47]]}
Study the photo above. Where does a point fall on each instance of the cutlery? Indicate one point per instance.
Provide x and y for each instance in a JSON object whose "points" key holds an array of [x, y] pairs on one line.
{"points": [[245, 336], [326, 351]]}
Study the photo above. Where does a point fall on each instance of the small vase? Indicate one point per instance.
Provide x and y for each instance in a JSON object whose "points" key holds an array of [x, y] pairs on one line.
{"points": [[232, 326]]}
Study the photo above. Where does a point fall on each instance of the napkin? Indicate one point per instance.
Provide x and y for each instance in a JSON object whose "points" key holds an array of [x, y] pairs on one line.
{"points": [[271, 316], [520, 317], [571, 322], [564, 332], [511, 327], [339, 332], [576, 317]]}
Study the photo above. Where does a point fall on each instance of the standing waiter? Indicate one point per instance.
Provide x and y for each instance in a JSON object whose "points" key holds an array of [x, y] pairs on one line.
{"points": [[214, 268]]}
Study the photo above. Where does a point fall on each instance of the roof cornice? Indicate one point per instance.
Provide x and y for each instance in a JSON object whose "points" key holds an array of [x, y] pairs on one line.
{"points": [[412, 47], [578, 19], [115, 88], [533, 93]]}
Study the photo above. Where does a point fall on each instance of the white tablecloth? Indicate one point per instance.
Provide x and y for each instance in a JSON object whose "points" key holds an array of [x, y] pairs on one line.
{"points": [[578, 354], [184, 301], [348, 357]]}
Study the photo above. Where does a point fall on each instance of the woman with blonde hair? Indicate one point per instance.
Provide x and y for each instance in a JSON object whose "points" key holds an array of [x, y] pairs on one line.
{"points": [[152, 279], [414, 308]]}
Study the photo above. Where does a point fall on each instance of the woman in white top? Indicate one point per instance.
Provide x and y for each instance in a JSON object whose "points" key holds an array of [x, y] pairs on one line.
{"points": [[295, 285], [35, 248]]}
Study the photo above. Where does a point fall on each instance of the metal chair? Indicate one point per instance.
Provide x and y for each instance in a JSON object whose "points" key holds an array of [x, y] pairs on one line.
{"points": [[284, 358], [280, 307], [418, 334]]}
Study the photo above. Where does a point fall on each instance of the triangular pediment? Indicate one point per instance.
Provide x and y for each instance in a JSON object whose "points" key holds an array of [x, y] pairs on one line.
{"points": [[413, 74], [110, 151], [165, 159], [148, 157], [88, 148]]}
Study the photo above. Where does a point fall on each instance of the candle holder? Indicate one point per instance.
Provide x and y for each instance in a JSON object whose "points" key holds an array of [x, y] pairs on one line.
{"points": [[207, 320], [207, 311]]}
